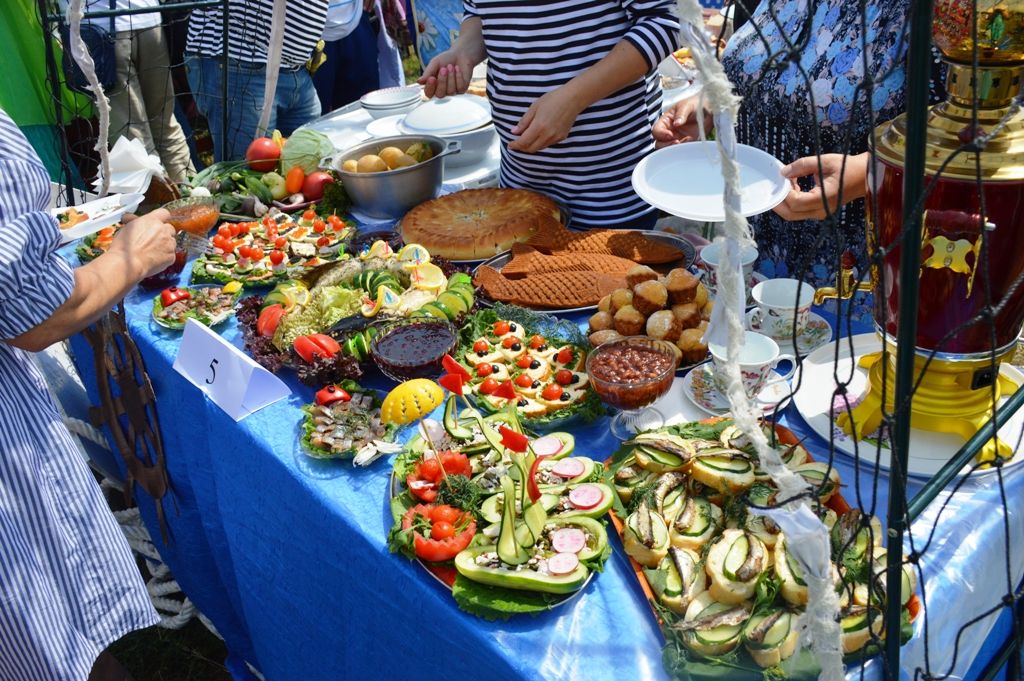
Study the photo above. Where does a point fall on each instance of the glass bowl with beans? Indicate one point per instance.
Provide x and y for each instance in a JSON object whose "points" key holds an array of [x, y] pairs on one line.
{"points": [[630, 374]]}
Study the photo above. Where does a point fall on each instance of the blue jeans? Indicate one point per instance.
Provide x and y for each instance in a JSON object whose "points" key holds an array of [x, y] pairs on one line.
{"points": [[295, 101]]}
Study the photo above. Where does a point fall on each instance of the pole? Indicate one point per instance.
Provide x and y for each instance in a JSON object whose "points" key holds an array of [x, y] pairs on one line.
{"points": [[223, 146], [918, 79]]}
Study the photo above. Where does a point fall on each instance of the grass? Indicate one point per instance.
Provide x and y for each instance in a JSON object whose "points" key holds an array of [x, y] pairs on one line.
{"points": [[157, 654]]}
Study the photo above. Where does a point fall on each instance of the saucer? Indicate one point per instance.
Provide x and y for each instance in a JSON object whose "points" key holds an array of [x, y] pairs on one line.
{"points": [[818, 332], [699, 386]]}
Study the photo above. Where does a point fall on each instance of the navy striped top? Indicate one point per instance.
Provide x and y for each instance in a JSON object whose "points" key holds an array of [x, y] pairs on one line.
{"points": [[533, 48], [68, 584]]}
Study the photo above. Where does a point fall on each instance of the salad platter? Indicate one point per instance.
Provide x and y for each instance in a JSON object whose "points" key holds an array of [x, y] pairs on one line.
{"points": [[344, 422], [210, 305], [721, 580], [449, 489]]}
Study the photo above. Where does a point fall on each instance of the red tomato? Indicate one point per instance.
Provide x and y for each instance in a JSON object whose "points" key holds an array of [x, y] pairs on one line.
{"points": [[293, 180], [564, 355], [270, 317], [243, 251], [510, 341], [319, 226], [333, 220], [332, 394], [218, 242], [263, 154], [338, 226], [445, 513], [235, 229], [280, 242], [537, 341], [481, 346], [422, 490], [524, 362], [453, 383], [256, 253], [452, 366], [524, 380], [506, 391], [323, 241], [436, 550], [244, 227], [513, 440], [309, 214], [488, 387], [563, 376], [224, 231], [429, 469], [442, 530], [169, 296], [483, 370], [551, 392], [315, 345], [313, 186], [276, 257], [531, 479], [456, 463], [501, 328], [268, 221]]}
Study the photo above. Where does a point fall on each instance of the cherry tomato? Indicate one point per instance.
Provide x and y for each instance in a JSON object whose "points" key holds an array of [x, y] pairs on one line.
{"points": [[442, 530], [256, 253], [319, 226], [501, 328], [445, 514], [524, 380], [268, 221], [483, 370], [552, 392], [224, 231], [276, 257], [294, 179], [524, 362], [244, 227], [309, 214], [429, 469], [323, 241], [235, 229], [334, 221], [564, 355], [437, 550], [488, 386], [510, 341], [218, 242], [563, 376], [481, 346], [337, 226], [243, 251], [280, 242], [537, 341]]}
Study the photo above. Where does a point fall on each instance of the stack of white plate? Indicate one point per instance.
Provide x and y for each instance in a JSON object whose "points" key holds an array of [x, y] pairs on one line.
{"points": [[392, 101]]}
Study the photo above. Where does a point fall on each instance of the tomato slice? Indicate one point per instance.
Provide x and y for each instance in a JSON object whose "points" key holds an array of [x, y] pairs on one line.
{"points": [[524, 380], [315, 345], [332, 394], [452, 366], [551, 392], [513, 440], [270, 317], [489, 386], [537, 342], [439, 550], [452, 383], [531, 480], [506, 391]]}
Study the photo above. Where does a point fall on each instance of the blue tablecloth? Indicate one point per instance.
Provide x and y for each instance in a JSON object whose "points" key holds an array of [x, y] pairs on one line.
{"points": [[288, 556]]}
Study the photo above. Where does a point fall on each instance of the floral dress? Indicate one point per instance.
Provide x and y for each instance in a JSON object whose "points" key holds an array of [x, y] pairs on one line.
{"points": [[791, 116]]}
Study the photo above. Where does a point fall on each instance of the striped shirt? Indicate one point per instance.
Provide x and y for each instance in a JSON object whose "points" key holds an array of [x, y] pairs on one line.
{"points": [[68, 583], [535, 47], [249, 30]]}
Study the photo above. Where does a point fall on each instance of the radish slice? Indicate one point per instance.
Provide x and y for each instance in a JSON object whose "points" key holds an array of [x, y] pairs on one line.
{"points": [[431, 430], [586, 497], [563, 563], [568, 540], [549, 445], [568, 468]]}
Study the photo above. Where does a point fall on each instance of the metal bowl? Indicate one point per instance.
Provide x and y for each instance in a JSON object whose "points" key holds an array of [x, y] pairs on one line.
{"points": [[389, 195]]}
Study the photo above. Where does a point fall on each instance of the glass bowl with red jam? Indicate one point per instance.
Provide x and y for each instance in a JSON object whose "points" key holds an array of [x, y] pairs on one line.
{"points": [[630, 374], [412, 348]]}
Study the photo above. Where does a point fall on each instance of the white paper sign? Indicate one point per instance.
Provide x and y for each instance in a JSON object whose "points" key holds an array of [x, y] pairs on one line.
{"points": [[234, 382]]}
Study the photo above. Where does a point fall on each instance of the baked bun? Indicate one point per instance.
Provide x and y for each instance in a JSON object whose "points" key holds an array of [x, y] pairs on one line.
{"points": [[682, 286], [629, 321], [664, 325], [649, 297], [690, 345], [607, 336], [620, 298], [601, 321], [687, 314], [639, 274]]}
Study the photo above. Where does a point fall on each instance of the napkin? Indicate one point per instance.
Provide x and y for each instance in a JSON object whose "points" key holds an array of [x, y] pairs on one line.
{"points": [[131, 167]]}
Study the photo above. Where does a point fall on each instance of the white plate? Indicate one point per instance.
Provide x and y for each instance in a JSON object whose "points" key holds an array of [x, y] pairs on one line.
{"points": [[385, 127], [817, 332], [929, 450], [102, 213], [700, 388], [686, 180]]}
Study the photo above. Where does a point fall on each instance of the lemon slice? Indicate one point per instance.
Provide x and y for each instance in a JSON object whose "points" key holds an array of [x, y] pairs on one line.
{"points": [[232, 287], [413, 255], [429, 277], [379, 249], [387, 298]]}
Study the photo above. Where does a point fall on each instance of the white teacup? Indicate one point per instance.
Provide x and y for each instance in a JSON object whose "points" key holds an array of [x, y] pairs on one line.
{"points": [[778, 304], [758, 356], [712, 255]]}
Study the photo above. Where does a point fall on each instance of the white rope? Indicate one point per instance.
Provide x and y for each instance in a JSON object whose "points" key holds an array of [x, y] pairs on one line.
{"points": [[273, 64], [86, 431], [807, 535], [84, 60]]}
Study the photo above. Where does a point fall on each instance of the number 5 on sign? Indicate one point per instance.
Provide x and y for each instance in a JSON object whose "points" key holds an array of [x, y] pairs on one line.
{"points": [[234, 382]]}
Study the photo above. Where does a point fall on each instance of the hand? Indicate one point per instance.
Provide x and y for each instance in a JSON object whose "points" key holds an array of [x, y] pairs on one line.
{"points": [[679, 124], [547, 121], [447, 74], [810, 205], [147, 243]]}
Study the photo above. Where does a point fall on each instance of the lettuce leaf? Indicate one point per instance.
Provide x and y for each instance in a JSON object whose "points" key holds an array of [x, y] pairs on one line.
{"points": [[494, 602]]}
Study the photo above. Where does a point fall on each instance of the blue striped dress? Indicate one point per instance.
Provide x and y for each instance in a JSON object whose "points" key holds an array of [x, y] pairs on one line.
{"points": [[68, 583]]}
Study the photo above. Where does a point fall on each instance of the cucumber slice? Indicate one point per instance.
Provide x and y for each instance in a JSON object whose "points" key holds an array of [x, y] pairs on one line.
{"points": [[794, 568], [451, 421], [702, 519], [453, 303], [673, 582], [720, 634], [775, 635], [463, 292], [509, 549], [736, 556], [726, 464], [664, 458], [490, 510], [855, 622]]}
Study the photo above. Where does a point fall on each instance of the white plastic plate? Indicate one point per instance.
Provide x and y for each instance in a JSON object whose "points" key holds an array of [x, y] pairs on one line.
{"points": [[102, 213], [686, 180]]}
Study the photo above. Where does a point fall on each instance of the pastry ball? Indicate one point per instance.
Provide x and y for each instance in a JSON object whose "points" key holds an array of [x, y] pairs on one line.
{"points": [[649, 297], [621, 297], [629, 321], [605, 304], [700, 298], [690, 345], [640, 274], [708, 308], [682, 287], [601, 321], [607, 336], [687, 314], [663, 325]]}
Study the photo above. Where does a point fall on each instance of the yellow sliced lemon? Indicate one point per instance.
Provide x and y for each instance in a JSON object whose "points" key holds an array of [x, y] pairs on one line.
{"points": [[413, 255], [428, 276], [379, 249], [232, 287], [410, 401]]}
